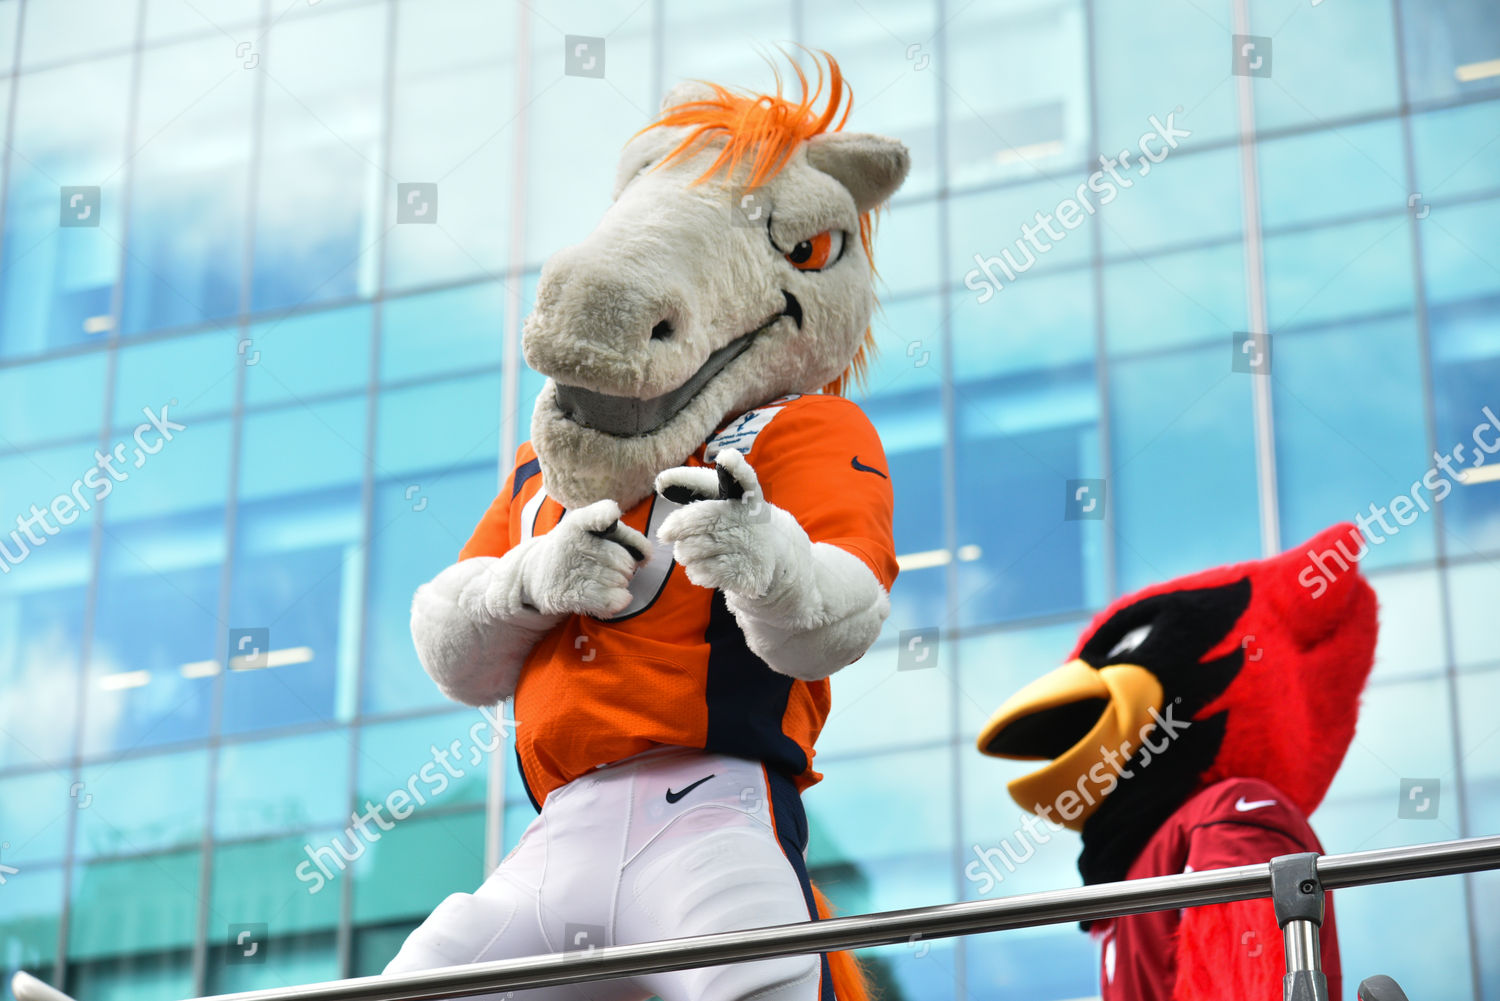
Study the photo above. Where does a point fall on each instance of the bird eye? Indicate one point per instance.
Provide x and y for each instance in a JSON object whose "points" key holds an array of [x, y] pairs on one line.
{"points": [[817, 253], [1130, 642]]}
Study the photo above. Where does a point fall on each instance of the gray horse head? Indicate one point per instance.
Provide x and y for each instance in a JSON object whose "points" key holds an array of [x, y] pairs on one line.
{"points": [[733, 267]]}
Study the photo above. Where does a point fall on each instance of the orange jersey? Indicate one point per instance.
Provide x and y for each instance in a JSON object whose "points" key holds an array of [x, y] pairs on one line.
{"points": [[673, 669]]}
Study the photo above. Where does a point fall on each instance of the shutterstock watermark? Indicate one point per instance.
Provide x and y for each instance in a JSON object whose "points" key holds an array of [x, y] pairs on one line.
{"points": [[1324, 568], [1037, 827], [446, 766], [1070, 213], [96, 483]]}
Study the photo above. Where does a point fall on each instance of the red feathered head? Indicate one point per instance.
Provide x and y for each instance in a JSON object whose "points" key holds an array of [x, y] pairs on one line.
{"points": [[1246, 671]]}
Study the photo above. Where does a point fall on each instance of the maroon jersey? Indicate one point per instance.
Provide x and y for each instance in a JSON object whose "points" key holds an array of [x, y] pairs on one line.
{"points": [[1235, 949]]}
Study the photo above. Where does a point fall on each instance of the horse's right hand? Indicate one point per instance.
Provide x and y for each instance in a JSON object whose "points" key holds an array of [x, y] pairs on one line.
{"points": [[584, 566]]}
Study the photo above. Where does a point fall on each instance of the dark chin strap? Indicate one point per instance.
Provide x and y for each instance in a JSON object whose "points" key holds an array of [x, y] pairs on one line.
{"points": [[1116, 833]]}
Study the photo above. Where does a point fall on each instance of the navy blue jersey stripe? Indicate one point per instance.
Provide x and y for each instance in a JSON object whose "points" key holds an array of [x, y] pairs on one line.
{"points": [[526, 784], [746, 700], [524, 472], [791, 831]]}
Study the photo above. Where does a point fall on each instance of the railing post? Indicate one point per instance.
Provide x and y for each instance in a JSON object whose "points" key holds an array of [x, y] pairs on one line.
{"points": [[1297, 894]]}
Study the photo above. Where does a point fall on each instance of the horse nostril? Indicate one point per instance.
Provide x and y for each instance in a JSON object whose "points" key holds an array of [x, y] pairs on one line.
{"points": [[661, 331]]}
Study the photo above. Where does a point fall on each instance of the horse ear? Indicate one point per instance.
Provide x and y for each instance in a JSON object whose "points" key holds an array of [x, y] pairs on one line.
{"points": [[872, 167], [685, 91]]}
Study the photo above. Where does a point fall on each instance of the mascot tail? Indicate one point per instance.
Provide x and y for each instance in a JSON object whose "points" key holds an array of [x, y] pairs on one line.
{"points": [[849, 983]]}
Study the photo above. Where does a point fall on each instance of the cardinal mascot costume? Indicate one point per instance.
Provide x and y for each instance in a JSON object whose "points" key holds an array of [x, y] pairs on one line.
{"points": [[1197, 725], [697, 535]]}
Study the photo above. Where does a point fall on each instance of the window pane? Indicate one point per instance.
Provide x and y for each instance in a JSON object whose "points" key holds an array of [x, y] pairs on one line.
{"points": [[135, 905], [34, 816], [1459, 252], [454, 126], [1053, 962], [298, 567], [455, 330], [904, 404], [436, 762], [189, 185], [873, 691], [708, 43], [42, 595], [1414, 724], [198, 371], [891, 852], [1024, 439], [905, 249], [1172, 300], [1323, 175], [161, 562], [1045, 322], [990, 231], [1479, 733], [267, 786], [1465, 339], [415, 535], [29, 923], [1309, 88], [1017, 93], [415, 865], [301, 357], [994, 665], [1184, 483], [298, 959], [188, 474], [317, 213], [39, 672], [57, 280], [50, 401], [892, 96], [430, 427], [1448, 144], [1151, 58], [1411, 609], [1471, 594], [9, 11], [375, 947], [173, 18], [1198, 192], [518, 816], [133, 976], [256, 882], [1326, 275], [61, 29], [578, 124], [1443, 43], [1355, 444], [143, 805], [915, 971]]}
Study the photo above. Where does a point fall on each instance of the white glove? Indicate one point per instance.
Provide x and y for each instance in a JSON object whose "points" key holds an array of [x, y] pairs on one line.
{"points": [[474, 623], [806, 608]]}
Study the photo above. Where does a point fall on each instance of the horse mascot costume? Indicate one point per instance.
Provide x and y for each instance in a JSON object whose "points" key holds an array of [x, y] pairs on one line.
{"points": [[697, 535], [1196, 726]]}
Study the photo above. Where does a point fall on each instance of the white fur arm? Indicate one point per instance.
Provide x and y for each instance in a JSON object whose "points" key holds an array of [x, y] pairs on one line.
{"points": [[474, 623], [474, 654], [807, 608]]}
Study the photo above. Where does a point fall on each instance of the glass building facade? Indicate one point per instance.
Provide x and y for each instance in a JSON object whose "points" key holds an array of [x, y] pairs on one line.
{"points": [[263, 268]]}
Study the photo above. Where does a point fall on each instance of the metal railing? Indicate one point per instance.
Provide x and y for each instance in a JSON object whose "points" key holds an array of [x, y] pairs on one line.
{"points": [[1105, 900]]}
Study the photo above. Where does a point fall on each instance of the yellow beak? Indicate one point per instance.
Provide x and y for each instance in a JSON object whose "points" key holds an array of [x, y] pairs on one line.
{"points": [[1086, 723]]}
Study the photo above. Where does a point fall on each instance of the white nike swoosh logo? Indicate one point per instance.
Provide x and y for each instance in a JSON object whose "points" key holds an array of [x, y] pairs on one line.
{"points": [[1245, 807]]}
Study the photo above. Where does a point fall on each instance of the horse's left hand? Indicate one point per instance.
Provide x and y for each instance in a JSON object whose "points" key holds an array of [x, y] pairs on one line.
{"points": [[725, 536]]}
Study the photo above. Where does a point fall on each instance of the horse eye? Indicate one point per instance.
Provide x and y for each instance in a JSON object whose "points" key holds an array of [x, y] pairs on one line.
{"points": [[817, 253]]}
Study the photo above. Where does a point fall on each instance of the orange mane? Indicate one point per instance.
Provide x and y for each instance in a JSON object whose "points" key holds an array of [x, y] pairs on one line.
{"points": [[767, 129]]}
